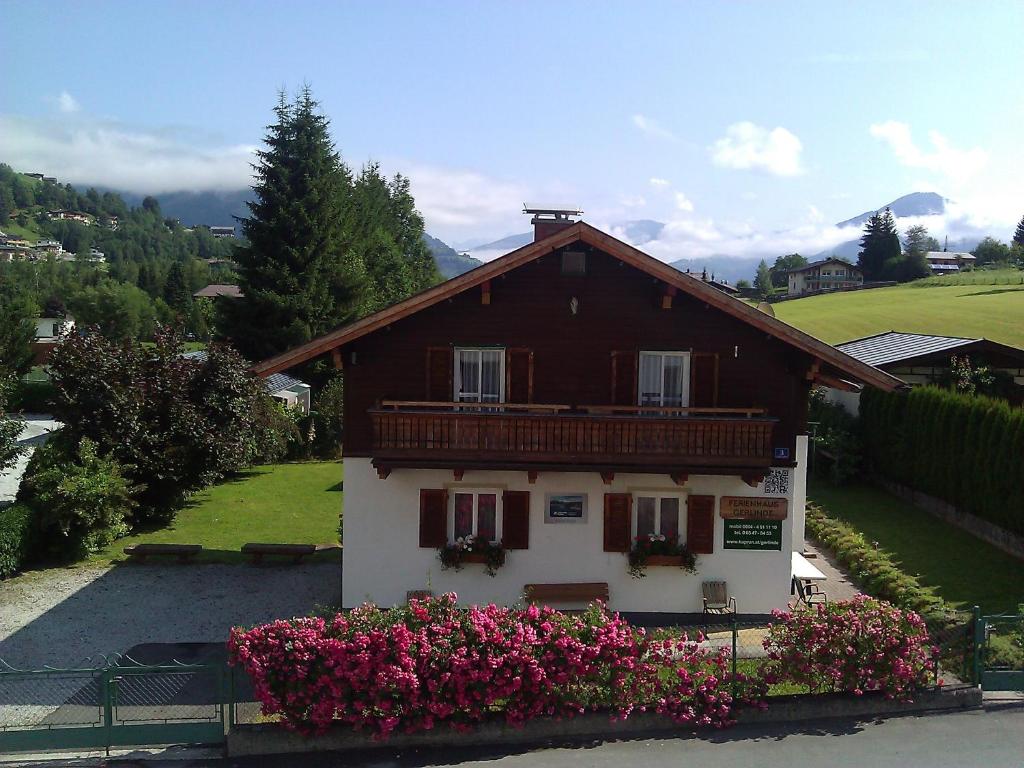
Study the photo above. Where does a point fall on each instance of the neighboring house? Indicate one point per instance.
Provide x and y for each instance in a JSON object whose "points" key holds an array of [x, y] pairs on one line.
{"points": [[289, 391], [34, 175], [286, 389], [564, 399], [50, 331], [111, 222], [918, 359], [826, 275], [722, 285], [53, 329], [10, 252], [64, 215], [96, 257], [48, 247], [222, 231], [944, 262], [216, 290]]}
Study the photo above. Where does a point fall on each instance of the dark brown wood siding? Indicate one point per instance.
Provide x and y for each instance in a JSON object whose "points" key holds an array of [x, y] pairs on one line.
{"points": [[618, 310]]}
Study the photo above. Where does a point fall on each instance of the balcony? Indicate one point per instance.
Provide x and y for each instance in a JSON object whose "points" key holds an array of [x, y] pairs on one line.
{"points": [[626, 438]]}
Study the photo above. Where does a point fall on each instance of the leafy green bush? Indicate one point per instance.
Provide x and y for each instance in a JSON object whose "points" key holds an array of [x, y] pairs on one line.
{"points": [[33, 397], [175, 424], [15, 527], [328, 419], [275, 432], [836, 438], [965, 449], [81, 499]]}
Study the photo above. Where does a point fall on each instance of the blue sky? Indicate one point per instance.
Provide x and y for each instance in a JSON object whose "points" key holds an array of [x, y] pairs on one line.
{"points": [[748, 127]]}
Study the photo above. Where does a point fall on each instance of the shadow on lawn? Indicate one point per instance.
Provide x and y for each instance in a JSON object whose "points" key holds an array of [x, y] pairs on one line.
{"points": [[994, 291]]}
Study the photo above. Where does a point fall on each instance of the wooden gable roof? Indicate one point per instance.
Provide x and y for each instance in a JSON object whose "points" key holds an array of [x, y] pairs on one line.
{"points": [[842, 366]]}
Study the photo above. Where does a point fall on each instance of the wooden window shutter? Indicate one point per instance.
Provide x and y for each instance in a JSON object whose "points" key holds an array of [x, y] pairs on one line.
{"points": [[439, 375], [433, 517], [618, 525], [519, 375], [704, 380], [624, 378], [700, 524], [515, 521]]}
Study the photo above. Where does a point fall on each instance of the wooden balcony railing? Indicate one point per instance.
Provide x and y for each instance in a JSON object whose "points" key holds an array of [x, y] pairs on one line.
{"points": [[627, 436]]}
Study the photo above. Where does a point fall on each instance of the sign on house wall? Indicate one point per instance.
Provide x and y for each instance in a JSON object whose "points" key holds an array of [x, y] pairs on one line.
{"points": [[753, 534], [753, 508]]}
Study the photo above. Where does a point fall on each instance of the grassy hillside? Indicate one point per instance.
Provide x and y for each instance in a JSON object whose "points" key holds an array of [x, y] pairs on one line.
{"points": [[988, 304]]}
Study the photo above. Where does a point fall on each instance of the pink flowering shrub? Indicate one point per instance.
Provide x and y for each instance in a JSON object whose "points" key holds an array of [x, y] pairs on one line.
{"points": [[432, 663], [857, 645]]}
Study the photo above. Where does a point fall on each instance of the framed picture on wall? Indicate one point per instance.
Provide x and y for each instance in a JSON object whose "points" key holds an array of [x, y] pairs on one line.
{"points": [[565, 508]]}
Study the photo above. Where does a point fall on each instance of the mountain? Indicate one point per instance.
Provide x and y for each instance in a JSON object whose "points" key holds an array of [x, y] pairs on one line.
{"points": [[217, 209], [914, 204], [221, 209], [449, 261], [506, 244], [728, 268]]}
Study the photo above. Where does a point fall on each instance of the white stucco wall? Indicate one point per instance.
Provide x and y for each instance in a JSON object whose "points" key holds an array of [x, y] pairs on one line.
{"points": [[848, 400], [383, 559], [798, 510]]}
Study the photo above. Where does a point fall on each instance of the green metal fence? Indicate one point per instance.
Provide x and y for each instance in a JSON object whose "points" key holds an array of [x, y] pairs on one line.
{"points": [[114, 701], [999, 651]]}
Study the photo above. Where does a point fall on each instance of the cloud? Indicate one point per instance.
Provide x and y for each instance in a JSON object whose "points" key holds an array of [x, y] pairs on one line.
{"points": [[453, 200], [656, 182], [652, 127], [633, 201], [957, 165], [111, 154], [66, 102], [683, 203], [747, 146]]}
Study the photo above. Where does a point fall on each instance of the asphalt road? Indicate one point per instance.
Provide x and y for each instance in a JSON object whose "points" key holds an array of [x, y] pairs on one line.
{"points": [[992, 738]]}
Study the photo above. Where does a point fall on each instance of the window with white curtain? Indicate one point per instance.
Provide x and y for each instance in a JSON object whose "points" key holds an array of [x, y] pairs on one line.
{"points": [[664, 379], [479, 375], [658, 514]]}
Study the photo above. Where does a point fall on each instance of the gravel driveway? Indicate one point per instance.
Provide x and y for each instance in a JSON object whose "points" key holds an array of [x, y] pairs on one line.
{"points": [[63, 616]]}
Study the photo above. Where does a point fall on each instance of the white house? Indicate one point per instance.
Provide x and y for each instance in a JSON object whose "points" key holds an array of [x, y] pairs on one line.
{"points": [[562, 402]]}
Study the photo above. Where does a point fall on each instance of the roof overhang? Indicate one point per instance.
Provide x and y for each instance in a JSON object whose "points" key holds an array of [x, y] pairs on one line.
{"points": [[830, 361]]}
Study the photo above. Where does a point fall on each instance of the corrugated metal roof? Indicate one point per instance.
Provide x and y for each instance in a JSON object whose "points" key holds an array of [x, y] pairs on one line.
{"points": [[273, 383], [892, 346]]}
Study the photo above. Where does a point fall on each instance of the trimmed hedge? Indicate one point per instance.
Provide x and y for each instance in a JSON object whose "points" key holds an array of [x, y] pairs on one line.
{"points": [[965, 449], [15, 524]]}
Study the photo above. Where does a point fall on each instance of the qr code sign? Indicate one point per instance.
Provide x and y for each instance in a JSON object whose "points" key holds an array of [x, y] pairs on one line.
{"points": [[777, 481]]}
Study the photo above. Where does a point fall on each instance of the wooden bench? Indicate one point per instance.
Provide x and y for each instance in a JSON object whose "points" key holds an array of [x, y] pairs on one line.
{"points": [[294, 551], [583, 592], [184, 552]]}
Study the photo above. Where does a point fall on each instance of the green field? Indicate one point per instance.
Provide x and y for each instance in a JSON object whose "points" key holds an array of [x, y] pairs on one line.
{"points": [[298, 503], [963, 569], [992, 307]]}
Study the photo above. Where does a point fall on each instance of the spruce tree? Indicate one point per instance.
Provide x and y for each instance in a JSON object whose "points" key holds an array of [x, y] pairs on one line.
{"points": [[879, 245], [763, 281], [176, 292], [1018, 235], [298, 273]]}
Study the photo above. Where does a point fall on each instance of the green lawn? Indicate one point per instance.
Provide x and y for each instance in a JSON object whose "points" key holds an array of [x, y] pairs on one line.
{"points": [[296, 503], [964, 570], [992, 309]]}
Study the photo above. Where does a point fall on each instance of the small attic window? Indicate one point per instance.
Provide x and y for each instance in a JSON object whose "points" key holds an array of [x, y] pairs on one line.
{"points": [[574, 263]]}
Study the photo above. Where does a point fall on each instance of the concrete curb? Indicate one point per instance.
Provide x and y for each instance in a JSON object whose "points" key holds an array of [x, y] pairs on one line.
{"points": [[268, 739]]}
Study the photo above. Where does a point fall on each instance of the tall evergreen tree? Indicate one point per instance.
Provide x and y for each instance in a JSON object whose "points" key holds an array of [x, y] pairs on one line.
{"points": [[763, 281], [17, 331], [299, 276], [1018, 235], [176, 292], [879, 244]]}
